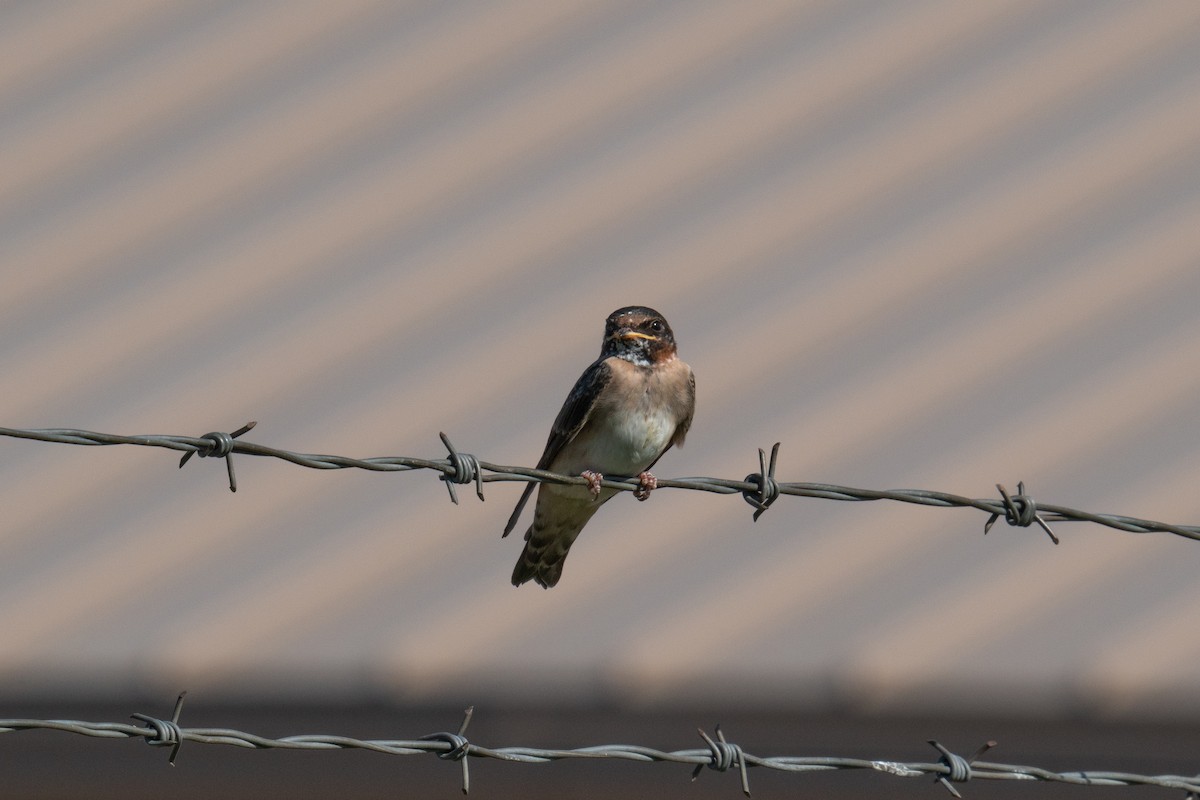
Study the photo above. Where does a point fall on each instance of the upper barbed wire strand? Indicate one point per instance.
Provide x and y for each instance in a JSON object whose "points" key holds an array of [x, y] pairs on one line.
{"points": [[458, 466]]}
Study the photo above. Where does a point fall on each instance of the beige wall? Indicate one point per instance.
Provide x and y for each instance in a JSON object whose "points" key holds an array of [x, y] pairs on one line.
{"points": [[930, 244]]}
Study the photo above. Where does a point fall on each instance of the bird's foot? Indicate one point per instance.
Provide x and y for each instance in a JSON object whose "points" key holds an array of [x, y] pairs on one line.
{"points": [[647, 483], [593, 482]]}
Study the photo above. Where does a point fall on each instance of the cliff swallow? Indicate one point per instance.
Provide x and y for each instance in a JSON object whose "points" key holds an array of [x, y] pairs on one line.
{"points": [[628, 408]]}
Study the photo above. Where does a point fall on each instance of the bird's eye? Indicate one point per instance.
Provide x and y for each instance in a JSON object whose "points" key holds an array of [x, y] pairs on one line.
{"points": [[656, 326]]}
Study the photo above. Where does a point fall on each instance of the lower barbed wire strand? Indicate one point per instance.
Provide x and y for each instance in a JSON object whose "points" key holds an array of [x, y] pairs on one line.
{"points": [[612, 752]]}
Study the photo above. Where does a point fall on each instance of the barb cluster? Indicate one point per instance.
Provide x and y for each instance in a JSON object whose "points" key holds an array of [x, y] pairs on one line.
{"points": [[718, 754], [760, 489]]}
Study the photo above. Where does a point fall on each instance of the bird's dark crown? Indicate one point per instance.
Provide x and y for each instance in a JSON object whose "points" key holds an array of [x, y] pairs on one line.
{"points": [[638, 334]]}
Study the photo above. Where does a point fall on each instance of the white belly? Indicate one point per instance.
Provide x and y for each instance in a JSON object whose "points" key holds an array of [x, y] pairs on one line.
{"points": [[623, 444]]}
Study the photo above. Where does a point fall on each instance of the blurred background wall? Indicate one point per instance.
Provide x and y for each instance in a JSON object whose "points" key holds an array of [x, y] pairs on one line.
{"points": [[924, 245]]}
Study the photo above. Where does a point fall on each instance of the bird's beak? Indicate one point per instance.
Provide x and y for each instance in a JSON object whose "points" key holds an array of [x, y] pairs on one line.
{"points": [[634, 335]]}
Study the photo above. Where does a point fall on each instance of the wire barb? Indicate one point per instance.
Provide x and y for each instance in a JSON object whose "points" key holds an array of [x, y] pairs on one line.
{"points": [[220, 446], [958, 769], [768, 489], [466, 470], [460, 748], [165, 733], [1019, 510], [723, 756]]}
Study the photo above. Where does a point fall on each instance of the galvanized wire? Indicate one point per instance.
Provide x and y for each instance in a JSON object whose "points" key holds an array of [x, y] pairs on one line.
{"points": [[718, 754], [759, 489]]}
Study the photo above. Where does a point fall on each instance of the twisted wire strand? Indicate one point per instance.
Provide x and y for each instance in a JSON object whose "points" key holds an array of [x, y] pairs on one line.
{"points": [[465, 468], [456, 746]]}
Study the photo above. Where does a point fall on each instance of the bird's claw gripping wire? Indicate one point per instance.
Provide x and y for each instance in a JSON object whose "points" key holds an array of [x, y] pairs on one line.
{"points": [[647, 483]]}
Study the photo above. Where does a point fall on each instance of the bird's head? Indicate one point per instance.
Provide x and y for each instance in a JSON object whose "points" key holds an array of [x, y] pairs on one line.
{"points": [[638, 334]]}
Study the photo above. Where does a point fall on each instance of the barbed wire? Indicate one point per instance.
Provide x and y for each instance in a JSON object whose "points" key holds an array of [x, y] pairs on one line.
{"points": [[718, 753], [759, 489]]}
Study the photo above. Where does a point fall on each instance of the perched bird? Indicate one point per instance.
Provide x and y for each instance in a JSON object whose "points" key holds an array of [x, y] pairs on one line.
{"points": [[626, 410]]}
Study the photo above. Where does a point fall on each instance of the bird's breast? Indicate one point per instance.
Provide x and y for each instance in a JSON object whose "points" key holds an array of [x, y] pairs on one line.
{"points": [[630, 441], [627, 432]]}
